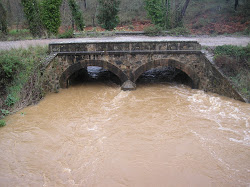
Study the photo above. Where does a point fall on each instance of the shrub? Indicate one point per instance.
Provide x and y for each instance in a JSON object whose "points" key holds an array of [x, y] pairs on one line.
{"points": [[156, 11], [67, 34], [2, 123], [32, 13], [3, 19], [5, 112], [108, 13], [153, 30], [9, 66], [10, 100], [21, 73], [76, 14], [233, 61], [51, 15], [231, 50], [179, 31]]}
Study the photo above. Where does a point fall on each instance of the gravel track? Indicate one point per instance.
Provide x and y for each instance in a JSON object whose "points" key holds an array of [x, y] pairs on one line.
{"points": [[203, 40]]}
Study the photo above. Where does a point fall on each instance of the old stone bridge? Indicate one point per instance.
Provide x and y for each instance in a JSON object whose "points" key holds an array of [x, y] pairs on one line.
{"points": [[128, 60]]}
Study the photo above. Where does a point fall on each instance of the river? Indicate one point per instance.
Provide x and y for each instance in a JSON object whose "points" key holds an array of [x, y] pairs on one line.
{"points": [[94, 134]]}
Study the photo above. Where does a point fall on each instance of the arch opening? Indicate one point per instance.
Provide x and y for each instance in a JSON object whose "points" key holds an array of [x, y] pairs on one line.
{"points": [[165, 75], [91, 70], [92, 74], [166, 70]]}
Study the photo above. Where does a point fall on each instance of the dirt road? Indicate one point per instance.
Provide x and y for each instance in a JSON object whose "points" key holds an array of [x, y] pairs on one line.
{"points": [[203, 40]]}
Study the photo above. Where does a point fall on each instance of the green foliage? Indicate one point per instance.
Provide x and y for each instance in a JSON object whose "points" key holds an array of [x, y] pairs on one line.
{"points": [[18, 32], [2, 123], [10, 100], [32, 13], [3, 19], [9, 66], [5, 112], [234, 62], [153, 30], [67, 34], [21, 34], [156, 11], [108, 13], [179, 31], [166, 13], [51, 15], [232, 50], [19, 64], [76, 14]]}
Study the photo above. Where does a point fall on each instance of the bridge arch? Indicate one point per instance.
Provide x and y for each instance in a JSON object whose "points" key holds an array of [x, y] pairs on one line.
{"points": [[167, 63], [84, 64]]}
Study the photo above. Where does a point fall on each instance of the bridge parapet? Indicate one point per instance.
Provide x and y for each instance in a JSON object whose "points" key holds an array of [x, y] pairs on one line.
{"points": [[125, 46]]}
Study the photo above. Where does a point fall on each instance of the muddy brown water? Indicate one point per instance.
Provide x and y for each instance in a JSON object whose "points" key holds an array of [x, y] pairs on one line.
{"points": [[94, 134]]}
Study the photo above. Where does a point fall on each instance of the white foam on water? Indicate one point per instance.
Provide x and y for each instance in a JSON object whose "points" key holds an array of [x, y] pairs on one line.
{"points": [[92, 128]]}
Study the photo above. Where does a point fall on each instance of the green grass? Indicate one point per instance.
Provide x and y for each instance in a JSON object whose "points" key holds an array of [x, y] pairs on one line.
{"points": [[21, 34]]}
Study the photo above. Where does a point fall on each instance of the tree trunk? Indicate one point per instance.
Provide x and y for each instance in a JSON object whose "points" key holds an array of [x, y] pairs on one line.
{"points": [[85, 4], [236, 4], [183, 11]]}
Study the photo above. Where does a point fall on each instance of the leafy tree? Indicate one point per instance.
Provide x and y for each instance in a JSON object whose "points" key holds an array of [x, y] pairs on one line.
{"points": [[3, 19], [156, 12], [51, 15], [164, 14], [32, 13], [76, 15], [108, 13]]}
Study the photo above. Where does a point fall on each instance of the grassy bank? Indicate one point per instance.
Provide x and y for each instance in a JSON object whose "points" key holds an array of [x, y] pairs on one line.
{"points": [[234, 62], [18, 69]]}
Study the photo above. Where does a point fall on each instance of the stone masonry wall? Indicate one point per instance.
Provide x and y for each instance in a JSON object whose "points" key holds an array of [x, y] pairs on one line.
{"points": [[128, 60]]}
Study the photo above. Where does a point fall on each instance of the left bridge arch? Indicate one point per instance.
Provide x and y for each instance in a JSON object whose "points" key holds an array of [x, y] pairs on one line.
{"points": [[63, 81]]}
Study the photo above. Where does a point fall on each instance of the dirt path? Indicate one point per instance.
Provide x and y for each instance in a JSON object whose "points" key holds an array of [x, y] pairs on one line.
{"points": [[203, 40]]}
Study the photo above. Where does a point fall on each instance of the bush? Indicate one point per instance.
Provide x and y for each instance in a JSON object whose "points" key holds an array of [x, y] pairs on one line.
{"points": [[32, 13], [9, 66], [2, 123], [67, 34], [76, 14], [3, 19], [19, 65], [157, 12], [108, 13], [154, 30], [10, 100], [5, 112], [179, 31], [237, 52], [51, 15], [233, 61]]}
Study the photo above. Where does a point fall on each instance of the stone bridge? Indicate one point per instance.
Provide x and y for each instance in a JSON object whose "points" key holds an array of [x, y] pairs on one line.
{"points": [[129, 60]]}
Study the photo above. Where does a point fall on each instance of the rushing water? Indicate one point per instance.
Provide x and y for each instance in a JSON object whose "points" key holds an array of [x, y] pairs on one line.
{"points": [[97, 135]]}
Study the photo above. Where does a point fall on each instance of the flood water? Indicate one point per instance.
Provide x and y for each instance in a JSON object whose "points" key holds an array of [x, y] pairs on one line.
{"points": [[94, 134]]}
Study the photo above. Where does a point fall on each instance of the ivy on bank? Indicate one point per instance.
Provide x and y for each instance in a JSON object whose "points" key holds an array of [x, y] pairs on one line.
{"points": [[42, 16], [76, 15], [51, 15], [32, 13]]}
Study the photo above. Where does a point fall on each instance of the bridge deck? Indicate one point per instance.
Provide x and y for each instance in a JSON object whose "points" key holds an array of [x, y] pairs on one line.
{"points": [[131, 46]]}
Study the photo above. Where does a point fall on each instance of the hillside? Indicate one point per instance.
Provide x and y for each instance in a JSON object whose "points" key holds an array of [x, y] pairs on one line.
{"points": [[202, 16]]}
